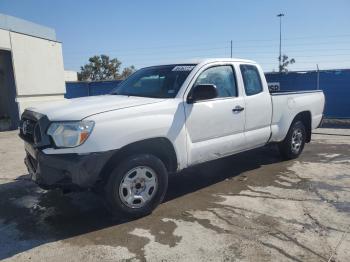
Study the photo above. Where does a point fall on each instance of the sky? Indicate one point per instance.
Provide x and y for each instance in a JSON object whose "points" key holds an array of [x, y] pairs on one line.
{"points": [[143, 33]]}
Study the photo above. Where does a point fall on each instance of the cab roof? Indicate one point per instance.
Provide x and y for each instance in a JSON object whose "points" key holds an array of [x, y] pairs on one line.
{"points": [[206, 61]]}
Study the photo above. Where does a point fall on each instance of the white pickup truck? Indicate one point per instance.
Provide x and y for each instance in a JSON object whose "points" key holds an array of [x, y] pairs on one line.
{"points": [[159, 121]]}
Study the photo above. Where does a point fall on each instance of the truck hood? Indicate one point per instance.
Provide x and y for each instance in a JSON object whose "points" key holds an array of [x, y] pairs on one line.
{"points": [[79, 108]]}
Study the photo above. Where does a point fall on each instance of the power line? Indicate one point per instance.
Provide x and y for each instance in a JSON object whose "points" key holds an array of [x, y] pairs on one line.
{"points": [[314, 51], [154, 47], [294, 38], [298, 44], [313, 63], [207, 51], [300, 50], [237, 48], [258, 60], [302, 56], [238, 51], [204, 43]]}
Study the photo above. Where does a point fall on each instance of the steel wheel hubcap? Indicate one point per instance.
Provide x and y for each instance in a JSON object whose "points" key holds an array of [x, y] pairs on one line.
{"points": [[297, 139], [138, 186]]}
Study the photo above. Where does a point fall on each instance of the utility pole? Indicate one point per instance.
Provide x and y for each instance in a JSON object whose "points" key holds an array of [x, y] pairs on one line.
{"points": [[280, 56], [231, 48]]}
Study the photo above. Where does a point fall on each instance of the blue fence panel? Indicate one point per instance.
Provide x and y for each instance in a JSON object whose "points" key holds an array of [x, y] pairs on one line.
{"points": [[102, 88], [336, 87], [334, 83], [81, 89], [76, 89]]}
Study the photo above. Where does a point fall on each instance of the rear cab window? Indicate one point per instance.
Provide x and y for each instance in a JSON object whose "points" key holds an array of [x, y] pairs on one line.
{"points": [[251, 79]]}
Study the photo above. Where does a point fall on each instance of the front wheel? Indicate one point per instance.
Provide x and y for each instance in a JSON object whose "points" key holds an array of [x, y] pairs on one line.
{"points": [[137, 186], [292, 146]]}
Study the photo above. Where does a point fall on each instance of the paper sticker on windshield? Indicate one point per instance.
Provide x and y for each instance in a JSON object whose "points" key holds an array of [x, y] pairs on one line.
{"points": [[183, 68]]}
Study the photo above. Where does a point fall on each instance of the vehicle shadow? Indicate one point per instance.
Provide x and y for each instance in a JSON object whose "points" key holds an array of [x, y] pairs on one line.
{"points": [[209, 173], [31, 217]]}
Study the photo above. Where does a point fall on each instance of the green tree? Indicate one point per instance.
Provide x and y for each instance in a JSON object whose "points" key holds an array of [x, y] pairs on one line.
{"points": [[103, 68], [284, 63], [127, 71]]}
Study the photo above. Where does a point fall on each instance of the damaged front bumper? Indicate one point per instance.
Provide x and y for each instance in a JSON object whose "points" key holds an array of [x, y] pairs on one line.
{"points": [[65, 171]]}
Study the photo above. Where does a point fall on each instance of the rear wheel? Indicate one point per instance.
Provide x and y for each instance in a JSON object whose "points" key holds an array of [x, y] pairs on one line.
{"points": [[292, 146], [137, 186]]}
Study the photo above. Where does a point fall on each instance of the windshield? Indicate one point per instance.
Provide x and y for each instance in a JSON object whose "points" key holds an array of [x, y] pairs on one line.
{"points": [[158, 81]]}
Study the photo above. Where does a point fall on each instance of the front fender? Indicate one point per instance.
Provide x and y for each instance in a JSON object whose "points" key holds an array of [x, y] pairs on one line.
{"points": [[116, 129]]}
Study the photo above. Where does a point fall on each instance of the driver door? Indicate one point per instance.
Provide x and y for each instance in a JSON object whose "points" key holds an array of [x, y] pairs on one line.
{"points": [[216, 127]]}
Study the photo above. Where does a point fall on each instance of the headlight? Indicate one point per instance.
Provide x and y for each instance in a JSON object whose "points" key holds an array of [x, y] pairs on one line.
{"points": [[70, 134]]}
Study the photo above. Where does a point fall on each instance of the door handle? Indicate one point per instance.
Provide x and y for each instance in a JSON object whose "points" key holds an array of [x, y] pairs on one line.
{"points": [[238, 109]]}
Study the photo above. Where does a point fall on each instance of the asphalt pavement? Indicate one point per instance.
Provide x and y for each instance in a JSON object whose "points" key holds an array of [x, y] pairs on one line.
{"points": [[248, 207]]}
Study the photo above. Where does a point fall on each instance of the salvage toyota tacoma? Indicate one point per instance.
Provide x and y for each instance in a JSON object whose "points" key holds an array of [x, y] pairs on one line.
{"points": [[159, 121]]}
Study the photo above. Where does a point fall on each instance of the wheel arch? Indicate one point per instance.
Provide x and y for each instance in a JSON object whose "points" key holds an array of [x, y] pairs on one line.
{"points": [[160, 147], [305, 118]]}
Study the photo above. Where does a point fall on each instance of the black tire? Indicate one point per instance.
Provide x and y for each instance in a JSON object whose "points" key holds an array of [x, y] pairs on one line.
{"points": [[286, 147], [114, 199]]}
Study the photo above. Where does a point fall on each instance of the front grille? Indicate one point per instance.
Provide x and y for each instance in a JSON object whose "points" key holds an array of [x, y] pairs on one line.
{"points": [[33, 128], [28, 129]]}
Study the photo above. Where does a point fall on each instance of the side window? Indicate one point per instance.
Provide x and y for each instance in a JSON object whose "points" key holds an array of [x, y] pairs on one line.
{"points": [[222, 77], [251, 79]]}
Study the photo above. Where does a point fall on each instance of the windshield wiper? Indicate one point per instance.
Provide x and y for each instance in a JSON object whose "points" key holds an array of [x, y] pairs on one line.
{"points": [[115, 93]]}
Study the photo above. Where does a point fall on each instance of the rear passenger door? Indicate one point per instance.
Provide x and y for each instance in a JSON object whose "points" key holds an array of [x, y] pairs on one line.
{"points": [[258, 111]]}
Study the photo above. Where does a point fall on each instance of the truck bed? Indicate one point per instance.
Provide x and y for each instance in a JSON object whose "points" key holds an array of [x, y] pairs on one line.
{"points": [[285, 106]]}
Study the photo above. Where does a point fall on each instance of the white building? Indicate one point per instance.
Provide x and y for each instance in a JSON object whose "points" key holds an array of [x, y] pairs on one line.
{"points": [[70, 76], [31, 67]]}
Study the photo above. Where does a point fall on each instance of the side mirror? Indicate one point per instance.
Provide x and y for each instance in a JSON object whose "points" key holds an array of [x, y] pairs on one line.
{"points": [[202, 92]]}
